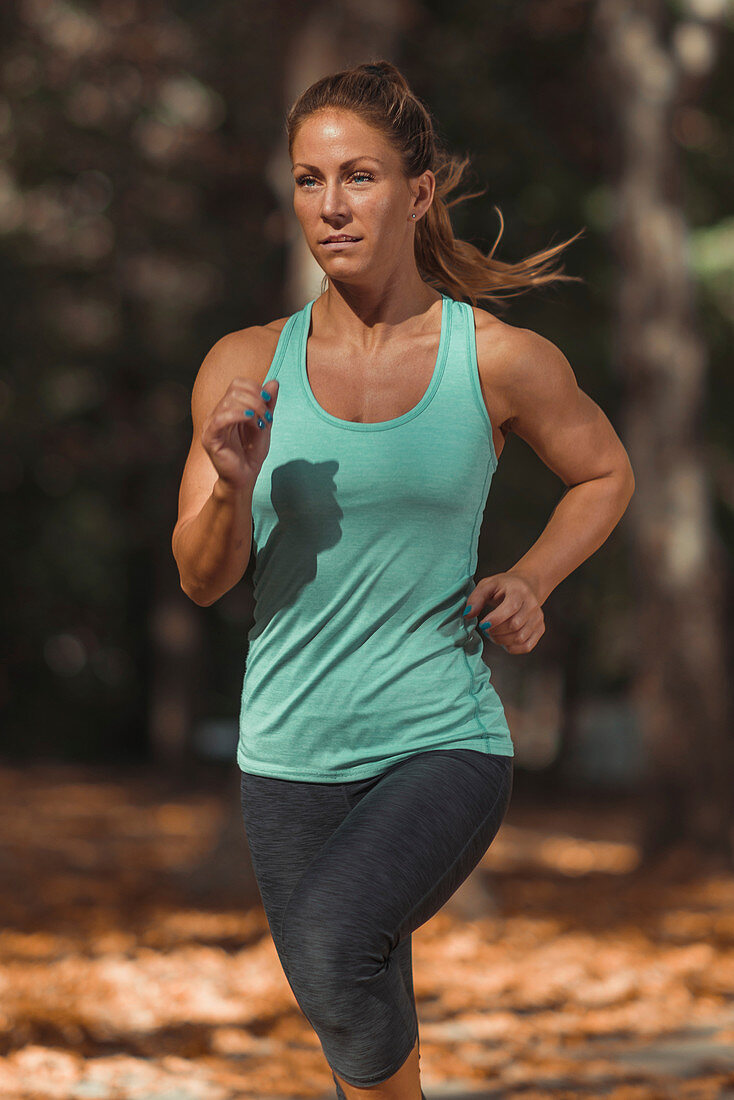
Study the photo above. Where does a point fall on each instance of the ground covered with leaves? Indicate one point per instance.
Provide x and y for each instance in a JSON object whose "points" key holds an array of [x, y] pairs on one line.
{"points": [[136, 960]]}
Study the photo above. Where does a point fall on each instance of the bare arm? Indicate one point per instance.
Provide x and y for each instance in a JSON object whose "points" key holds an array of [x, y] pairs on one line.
{"points": [[574, 438], [212, 538], [535, 385]]}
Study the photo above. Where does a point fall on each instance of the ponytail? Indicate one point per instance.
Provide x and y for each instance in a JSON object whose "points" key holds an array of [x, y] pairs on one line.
{"points": [[379, 94]]}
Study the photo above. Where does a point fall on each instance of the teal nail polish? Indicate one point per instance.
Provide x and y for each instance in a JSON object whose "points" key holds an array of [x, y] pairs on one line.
{"points": [[485, 626], [265, 395], [249, 412], [260, 423], [468, 609], [268, 416]]}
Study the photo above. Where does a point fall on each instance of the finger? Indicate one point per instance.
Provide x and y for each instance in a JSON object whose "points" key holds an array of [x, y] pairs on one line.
{"points": [[512, 637], [228, 417], [271, 388], [522, 618], [242, 386], [479, 597], [255, 405], [241, 404], [481, 606], [252, 416], [527, 645], [259, 411], [269, 394], [501, 615], [522, 640]]}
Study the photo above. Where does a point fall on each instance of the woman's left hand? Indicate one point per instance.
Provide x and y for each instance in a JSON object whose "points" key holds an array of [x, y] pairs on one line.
{"points": [[508, 602]]}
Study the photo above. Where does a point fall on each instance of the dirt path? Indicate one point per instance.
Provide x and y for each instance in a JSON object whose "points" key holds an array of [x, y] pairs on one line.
{"points": [[558, 970]]}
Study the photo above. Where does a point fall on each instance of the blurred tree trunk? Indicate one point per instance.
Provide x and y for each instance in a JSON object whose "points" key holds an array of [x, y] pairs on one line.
{"points": [[175, 673], [652, 64]]}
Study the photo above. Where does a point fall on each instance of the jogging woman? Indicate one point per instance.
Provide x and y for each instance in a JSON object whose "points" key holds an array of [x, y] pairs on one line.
{"points": [[376, 762]]}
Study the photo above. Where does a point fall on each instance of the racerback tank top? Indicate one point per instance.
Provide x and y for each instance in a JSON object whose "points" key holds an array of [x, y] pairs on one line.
{"points": [[365, 539]]}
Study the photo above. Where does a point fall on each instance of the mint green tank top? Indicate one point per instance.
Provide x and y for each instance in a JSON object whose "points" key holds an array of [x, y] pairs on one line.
{"points": [[365, 539]]}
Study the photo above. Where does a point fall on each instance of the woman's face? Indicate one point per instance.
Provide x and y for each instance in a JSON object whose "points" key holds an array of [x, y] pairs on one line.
{"points": [[348, 180]]}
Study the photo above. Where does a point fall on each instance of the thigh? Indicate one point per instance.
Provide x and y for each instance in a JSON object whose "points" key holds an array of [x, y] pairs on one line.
{"points": [[403, 849], [286, 823]]}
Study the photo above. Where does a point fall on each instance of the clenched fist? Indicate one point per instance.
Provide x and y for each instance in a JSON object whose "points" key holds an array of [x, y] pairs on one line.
{"points": [[236, 434], [511, 612]]}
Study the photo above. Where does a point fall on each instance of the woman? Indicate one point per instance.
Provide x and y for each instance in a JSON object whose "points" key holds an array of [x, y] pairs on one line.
{"points": [[376, 761]]}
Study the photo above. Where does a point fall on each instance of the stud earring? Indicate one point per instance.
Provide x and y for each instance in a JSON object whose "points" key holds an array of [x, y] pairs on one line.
{"points": [[413, 215]]}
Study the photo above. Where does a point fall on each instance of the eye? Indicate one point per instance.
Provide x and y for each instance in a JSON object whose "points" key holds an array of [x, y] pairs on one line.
{"points": [[302, 180]]}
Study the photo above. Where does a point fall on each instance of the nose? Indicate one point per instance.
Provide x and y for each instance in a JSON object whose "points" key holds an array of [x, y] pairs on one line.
{"points": [[334, 202]]}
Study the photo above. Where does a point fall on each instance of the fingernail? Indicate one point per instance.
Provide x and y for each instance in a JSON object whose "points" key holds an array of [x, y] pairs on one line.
{"points": [[265, 395], [268, 416], [485, 625], [249, 412], [468, 609], [260, 423]]}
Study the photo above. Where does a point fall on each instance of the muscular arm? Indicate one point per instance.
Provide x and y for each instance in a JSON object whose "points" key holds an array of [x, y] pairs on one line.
{"points": [[212, 538], [541, 402]]}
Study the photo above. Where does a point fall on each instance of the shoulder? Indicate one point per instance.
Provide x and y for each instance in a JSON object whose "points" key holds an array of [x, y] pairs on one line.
{"points": [[520, 367], [248, 349], [244, 353]]}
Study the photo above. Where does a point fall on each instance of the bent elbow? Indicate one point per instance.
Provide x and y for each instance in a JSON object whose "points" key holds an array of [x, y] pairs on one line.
{"points": [[196, 596]]}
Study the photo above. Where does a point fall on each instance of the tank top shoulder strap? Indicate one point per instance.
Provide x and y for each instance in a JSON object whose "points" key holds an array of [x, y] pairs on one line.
{"points": [[461, 370], [285, 357], [461, 354]]}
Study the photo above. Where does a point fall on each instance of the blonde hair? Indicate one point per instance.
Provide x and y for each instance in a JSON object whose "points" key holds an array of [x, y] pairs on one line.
{"points": [[380, 95]]}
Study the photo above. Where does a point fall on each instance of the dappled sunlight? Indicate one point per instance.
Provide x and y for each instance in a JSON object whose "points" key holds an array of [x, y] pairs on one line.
{"points": [[571, 970], [561, 852]]}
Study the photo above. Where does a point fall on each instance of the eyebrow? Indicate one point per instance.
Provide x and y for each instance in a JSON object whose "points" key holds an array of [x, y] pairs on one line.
{"points": [[346, 164]]}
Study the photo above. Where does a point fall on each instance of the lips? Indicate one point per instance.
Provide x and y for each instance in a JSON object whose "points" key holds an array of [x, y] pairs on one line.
{"points": [[341, 238]]}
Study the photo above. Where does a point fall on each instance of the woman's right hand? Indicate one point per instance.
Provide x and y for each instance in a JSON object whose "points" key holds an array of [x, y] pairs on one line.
{"points": [[233, 440]]}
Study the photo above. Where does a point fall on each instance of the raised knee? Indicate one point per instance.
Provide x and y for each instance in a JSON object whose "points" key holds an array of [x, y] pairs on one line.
{"points": [[306, 929], [323, 939]]}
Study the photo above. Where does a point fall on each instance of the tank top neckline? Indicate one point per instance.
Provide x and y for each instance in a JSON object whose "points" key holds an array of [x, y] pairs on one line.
{"points": [[377, 425]]}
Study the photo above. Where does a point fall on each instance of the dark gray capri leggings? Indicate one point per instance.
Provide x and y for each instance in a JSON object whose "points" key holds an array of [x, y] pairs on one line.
{"points": [[347, 871]]}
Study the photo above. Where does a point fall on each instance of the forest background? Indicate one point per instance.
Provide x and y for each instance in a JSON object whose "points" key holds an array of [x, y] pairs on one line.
{"points": [[146, 210]]}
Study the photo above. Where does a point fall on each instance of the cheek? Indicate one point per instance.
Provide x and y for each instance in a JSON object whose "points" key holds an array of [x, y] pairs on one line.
{"points": [[301, 204], [380, 211]]}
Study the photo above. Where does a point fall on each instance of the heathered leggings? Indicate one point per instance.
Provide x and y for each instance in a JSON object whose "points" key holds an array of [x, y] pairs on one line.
{"points": [[347, 871]]}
